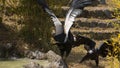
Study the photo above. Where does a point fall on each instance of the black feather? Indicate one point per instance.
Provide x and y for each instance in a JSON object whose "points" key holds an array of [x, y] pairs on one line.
{"points": [[105, 48], [43, 3], [79, 4]]}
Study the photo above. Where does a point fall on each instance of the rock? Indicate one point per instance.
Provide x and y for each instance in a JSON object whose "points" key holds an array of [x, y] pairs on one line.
{"points": [[36, 55], [60, 64], [32, 65], [52, 56], [55, 60], [40, 55], [29, 54]]}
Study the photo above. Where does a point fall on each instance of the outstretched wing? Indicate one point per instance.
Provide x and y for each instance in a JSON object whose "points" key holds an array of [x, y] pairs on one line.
{"points": [[105, 48], [57, 23], [75, 10]]}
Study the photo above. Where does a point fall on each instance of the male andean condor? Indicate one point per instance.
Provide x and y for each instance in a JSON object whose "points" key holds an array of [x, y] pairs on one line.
{"points": [[63, 36]]}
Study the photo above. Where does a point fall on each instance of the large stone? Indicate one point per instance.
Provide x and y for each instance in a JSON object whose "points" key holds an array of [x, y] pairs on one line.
{"points": [[35, 55], [52, 56], [40, 55], [55, 60]]}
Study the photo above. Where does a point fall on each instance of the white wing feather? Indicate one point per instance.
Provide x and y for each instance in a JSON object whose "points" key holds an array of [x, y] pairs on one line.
{"points": [[70, 18], [58, 25]]}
